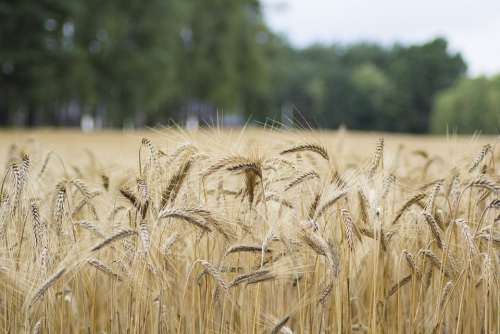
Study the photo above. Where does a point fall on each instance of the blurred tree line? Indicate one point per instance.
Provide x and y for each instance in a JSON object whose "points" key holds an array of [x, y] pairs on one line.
{"points": [[471, 105], [134, 63]]}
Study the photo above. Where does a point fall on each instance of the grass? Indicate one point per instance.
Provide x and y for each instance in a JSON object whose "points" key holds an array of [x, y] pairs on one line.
{"points": [[248, 232]]}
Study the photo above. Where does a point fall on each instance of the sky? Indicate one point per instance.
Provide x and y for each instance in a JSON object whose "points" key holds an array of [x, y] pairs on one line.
{"points": [[471, 27]]}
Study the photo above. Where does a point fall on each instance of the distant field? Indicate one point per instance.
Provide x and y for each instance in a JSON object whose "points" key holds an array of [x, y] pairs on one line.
{"points": [[248, 232], [70, 143]]}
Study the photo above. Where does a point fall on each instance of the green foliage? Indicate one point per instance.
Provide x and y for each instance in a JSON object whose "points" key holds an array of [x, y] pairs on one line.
{"points": [[222, 61], [132, 52], [127, 61], [375, 96], [365, 86], [472, 105], [130, 62], [420, 72], [32, 47]]}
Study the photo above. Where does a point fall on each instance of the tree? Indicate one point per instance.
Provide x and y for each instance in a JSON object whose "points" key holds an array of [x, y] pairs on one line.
{"points": [[375, 96], [471, 105], [419, 72], [366, 86], [222, 61], [33, 56], [299, 82], [130, 62], [132, 52]]}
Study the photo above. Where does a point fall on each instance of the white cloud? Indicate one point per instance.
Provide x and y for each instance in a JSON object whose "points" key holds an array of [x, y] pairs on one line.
{"points": [[471, 27]]}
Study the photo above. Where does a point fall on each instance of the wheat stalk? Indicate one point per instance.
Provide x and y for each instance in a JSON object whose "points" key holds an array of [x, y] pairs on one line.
{"points": [[145, 237], [348, 228], [104, 268], [175, 183], [377, 159], [325, 292], [411, 201], [118, 235], [215, 273], [433, 226], [480, 157], [46, 285], [280, 324], [185, 215], [301, 178], [402, 282], [37, 329], [247, 276], [467, 235], [308, 147], [246, 248], [328, 204]]}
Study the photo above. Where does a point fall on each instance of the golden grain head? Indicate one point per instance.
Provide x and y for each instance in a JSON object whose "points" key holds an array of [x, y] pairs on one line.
{"points": [[191, 232]]}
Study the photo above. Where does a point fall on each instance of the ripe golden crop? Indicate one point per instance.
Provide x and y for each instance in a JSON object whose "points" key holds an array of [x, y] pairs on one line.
{"points": [[252, 232]]}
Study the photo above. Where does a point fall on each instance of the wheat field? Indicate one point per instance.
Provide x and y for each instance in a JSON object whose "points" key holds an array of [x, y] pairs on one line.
{"points": [[248, 231]]}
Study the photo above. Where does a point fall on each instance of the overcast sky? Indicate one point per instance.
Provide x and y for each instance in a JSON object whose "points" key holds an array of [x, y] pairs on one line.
{"points": [[471, 27]]}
